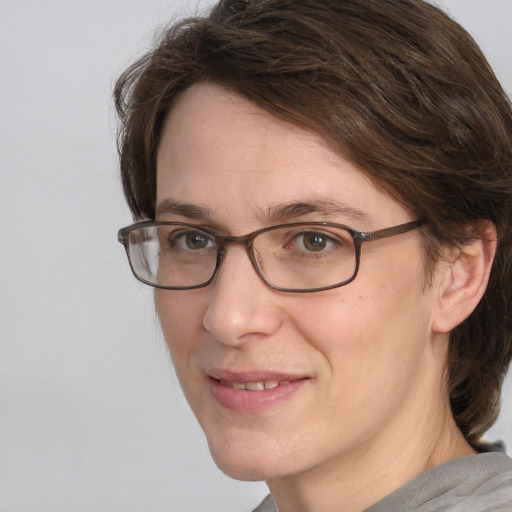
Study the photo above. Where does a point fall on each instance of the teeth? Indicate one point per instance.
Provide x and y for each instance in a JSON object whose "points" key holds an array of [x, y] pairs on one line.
{"points": [[253, 386]]}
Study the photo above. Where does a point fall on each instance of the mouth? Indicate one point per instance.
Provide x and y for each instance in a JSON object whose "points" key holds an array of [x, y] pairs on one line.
{"points": [[259, 385], [253, 392]]}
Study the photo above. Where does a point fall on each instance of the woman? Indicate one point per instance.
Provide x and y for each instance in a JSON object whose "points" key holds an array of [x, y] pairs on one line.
{"points": [[323, 192]]}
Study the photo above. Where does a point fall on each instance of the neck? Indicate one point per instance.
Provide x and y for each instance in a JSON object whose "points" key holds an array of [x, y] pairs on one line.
{"points": [[423, 437]]}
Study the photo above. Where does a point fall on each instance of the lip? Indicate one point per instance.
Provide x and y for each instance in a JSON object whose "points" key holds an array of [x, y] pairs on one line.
{"points": [[241, 400]]}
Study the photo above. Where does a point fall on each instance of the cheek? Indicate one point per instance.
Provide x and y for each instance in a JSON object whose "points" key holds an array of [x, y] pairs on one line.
{"points": [[180, 316], [369, 337]]}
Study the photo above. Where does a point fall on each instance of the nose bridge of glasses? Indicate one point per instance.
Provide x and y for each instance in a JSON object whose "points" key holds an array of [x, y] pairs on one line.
{"points": [[223, 241], [246, 241]]}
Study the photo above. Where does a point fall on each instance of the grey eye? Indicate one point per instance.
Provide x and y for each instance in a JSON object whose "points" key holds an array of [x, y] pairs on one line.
{"points": [[192, 240]]}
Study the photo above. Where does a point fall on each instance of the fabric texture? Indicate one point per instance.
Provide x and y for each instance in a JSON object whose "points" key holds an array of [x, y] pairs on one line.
{"points": [[476, 483]]}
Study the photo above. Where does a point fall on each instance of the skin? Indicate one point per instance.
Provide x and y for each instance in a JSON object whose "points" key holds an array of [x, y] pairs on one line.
{"points": [[372, 411]]}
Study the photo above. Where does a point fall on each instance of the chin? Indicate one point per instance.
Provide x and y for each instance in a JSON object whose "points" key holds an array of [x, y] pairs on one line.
{"points": [[240, 469], [247, 463], [244, 473]]}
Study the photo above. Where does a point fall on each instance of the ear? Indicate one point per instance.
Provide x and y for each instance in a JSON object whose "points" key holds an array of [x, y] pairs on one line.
{"points": [[464, 274]]}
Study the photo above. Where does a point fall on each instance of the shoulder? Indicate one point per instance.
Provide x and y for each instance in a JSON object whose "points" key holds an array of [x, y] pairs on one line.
{"points": [[267, 505], [491, 484], [476, 483]]}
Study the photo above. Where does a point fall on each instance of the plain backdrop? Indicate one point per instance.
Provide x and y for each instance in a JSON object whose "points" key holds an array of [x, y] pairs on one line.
{"points": [[91, 415]]}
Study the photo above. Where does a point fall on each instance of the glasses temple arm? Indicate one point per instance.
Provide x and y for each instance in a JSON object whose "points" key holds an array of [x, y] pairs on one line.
{"points": [[394, 230]]}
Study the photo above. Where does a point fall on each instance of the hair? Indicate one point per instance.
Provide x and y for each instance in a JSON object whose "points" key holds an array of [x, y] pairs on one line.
{"points": [[402, 91]]}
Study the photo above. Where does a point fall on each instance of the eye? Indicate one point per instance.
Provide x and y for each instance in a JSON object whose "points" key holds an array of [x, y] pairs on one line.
{"points": [[313, 241], [192, 240]]}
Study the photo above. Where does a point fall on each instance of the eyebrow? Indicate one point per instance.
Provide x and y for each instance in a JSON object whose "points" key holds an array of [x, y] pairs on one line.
{"points": [[325, 207], [322, 206], [192, 211]]}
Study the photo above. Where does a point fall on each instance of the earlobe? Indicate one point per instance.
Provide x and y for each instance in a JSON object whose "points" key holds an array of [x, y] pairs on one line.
{"points": [[465, 274]]}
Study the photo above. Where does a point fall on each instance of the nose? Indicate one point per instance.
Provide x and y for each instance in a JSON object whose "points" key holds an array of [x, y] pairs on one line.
{"points": [[242, 306]]}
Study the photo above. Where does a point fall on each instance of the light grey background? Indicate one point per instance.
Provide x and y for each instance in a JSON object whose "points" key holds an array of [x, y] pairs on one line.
{"points": [[91, 416]]}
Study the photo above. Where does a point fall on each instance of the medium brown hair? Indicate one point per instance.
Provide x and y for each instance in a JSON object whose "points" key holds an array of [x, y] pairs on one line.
{"points": [[399, 89]]}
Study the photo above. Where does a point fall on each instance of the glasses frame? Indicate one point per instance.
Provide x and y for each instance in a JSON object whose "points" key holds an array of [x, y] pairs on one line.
{"points": [[247, 241]]}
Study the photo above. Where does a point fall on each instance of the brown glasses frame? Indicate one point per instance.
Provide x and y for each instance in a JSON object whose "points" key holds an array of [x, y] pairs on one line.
{"points": [[223, 241]]}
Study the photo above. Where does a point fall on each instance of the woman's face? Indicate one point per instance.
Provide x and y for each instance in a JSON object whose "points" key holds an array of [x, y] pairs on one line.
{"points": [[341, 370]]}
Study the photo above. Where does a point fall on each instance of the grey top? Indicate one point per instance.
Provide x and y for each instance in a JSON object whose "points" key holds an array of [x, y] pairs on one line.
{"points": [[476, 483]]}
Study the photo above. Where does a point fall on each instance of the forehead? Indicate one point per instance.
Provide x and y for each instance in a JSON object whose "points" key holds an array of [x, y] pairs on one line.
{"points": [[225, 155]]}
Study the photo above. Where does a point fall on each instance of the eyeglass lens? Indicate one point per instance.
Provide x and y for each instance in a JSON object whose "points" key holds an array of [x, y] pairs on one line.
{"points": [[290, 257]]}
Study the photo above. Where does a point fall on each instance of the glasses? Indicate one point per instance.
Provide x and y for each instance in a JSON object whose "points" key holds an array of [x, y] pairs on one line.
{"points": [[298, 257]]}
